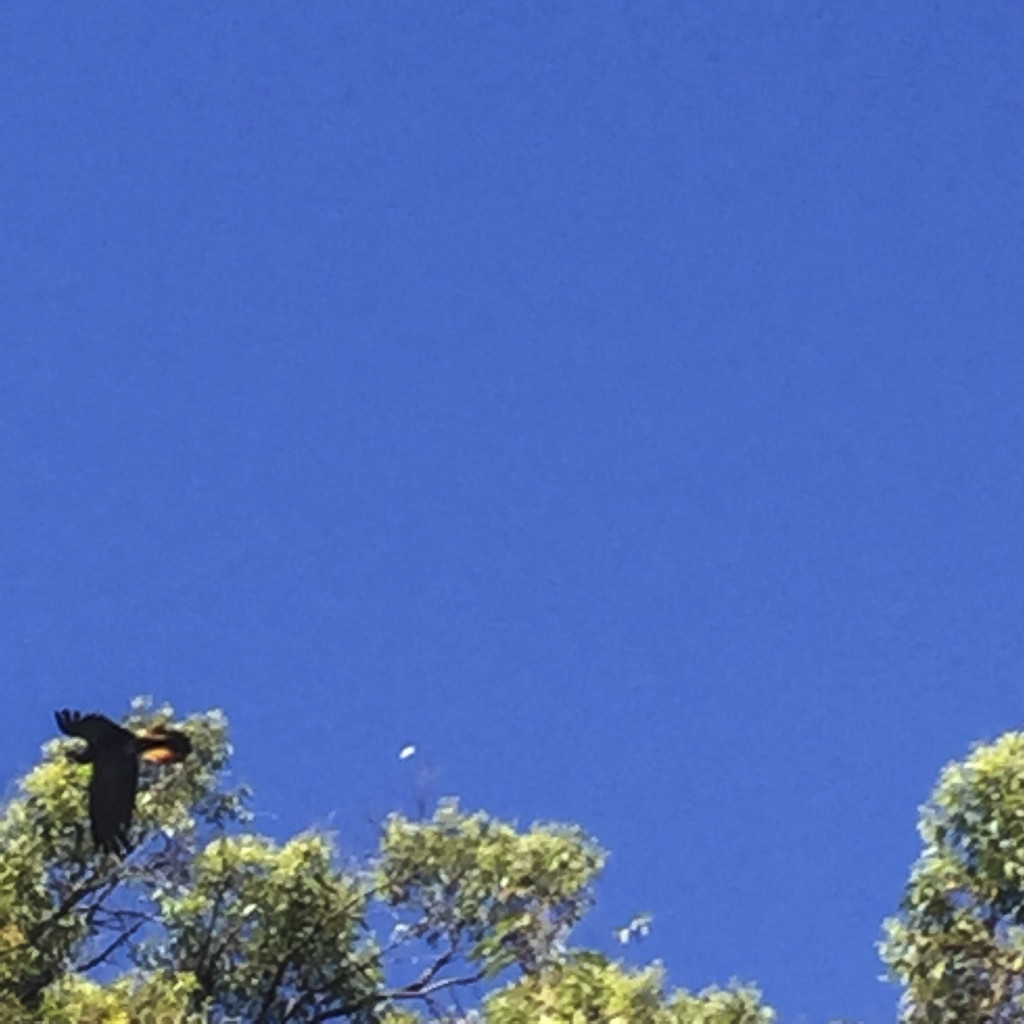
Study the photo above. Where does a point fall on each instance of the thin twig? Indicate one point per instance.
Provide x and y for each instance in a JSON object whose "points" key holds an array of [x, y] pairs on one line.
{"points": [[100, 957]]}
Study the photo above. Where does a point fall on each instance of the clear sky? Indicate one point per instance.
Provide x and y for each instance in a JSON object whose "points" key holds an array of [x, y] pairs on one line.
{"points": [[620, 401]]}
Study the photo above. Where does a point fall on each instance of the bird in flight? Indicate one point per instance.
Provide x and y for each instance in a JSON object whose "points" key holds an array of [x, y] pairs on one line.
{"points": [[114, 753]]}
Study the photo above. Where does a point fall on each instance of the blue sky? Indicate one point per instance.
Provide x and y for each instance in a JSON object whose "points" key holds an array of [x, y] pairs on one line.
{"points": [[622, 402]]}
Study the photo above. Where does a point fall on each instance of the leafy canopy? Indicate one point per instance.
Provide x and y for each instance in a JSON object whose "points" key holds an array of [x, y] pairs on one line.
{"points": [[457, 917], [957, 945]]}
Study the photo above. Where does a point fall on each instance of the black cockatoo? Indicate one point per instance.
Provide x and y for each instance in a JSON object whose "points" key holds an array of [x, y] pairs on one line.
{"points": [[114, 754]]}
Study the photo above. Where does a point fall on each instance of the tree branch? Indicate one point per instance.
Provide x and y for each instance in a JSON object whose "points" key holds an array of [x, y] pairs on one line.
{"points": [[119, 941], [437, 986]]}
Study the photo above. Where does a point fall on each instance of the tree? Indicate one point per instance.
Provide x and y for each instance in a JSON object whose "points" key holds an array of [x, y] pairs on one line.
{"points": [[458, 917], [957, 945]]}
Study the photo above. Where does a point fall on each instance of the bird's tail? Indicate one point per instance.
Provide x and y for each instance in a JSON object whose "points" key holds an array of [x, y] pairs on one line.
{"points": [[164, 746]]}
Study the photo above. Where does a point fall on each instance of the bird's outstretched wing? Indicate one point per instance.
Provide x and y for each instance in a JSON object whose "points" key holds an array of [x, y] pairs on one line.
{"points": [[113, 753], [115, 776], [94, 728]]}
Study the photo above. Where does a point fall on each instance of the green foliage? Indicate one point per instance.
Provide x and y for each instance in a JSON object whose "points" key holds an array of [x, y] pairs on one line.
{"points": [[958, 945], [63, 907], [271, 932], [207, 921], [469, 879], [588, 987], [154, 997]]}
